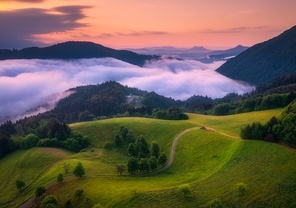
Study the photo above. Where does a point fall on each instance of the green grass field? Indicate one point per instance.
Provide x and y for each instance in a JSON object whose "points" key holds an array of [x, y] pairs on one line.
{"points": [[220, 170]]}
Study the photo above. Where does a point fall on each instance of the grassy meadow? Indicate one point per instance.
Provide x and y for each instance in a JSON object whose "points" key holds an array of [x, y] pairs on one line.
{"points": [[221, 171]]}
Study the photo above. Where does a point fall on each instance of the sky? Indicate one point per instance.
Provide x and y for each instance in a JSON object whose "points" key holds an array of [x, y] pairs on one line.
{"points": [[214, 24]]}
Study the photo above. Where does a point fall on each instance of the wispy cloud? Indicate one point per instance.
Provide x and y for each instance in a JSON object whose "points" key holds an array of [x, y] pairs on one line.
{"points": [[132, 34], [26, 1], [20, 26], [27, 84], [235, 29]]}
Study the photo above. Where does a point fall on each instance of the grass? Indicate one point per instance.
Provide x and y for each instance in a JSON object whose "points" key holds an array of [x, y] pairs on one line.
{"points": [[231, 124], [162, 131], [218, 169], [26, 165]]}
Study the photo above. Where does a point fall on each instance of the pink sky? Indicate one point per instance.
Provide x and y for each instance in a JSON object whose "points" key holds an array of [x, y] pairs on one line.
{"points": [[139, 23]]}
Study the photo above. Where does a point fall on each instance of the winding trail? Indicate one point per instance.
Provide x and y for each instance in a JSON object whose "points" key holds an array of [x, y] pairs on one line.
{"points": [[169, 163], [173, 150]]}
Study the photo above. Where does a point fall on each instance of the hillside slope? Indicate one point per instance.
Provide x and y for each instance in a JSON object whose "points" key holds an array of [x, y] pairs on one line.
{"points": [[75, 50], [265, 61], [107, 99]]}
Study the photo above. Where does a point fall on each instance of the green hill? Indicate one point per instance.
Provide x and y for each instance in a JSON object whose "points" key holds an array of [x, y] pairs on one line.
{"points": [[219, 168], [265, 61]]}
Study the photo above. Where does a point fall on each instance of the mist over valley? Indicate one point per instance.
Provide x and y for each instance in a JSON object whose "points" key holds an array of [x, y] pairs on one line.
{"points": [[29, 84]]}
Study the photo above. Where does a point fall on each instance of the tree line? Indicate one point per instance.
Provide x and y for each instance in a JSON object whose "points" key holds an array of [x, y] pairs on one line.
{"points": [[276, 129], [33, 131]]}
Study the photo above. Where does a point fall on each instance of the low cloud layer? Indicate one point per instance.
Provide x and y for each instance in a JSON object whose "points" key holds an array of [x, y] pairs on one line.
{"points": [[27, 84]]}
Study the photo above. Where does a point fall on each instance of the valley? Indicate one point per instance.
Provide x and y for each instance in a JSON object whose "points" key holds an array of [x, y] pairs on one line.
{"points": [[219, 169]]}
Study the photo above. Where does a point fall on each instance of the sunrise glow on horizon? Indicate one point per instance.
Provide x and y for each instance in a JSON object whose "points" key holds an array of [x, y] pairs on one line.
{"points": [[133, 23]]}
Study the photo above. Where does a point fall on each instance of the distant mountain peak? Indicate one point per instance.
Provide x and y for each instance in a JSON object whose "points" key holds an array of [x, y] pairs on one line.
{"points": [[199, 49]]}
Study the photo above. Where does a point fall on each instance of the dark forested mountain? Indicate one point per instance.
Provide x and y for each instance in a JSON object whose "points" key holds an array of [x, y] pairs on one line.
{"points": [[75, 50], [108, 99], [265, 61]]}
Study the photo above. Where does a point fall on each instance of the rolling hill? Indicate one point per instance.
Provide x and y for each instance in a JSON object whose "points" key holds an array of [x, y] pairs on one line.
{"points": [[75, 50], [107, 99], [265, 61], [219, 169]]}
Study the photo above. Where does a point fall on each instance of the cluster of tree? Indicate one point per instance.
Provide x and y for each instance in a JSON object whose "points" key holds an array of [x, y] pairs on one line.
{"points": [[108, 99], [234, 103], [278, 93], [283, 84], [275, 130], [173, 113], [254, 103], [7, 145], [143, 157], [35, 131]]}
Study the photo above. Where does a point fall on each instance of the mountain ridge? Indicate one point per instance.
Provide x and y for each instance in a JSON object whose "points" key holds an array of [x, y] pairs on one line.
{"points": [[76, 50], [264, 61]]}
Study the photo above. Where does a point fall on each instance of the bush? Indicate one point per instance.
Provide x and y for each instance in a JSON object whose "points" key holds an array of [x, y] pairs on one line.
{"points": [[242, 189], [185, 189], [29, 141], [108, 145], [79, 170], [49, 201], [39, 191], [79, 193], [216, 203]]}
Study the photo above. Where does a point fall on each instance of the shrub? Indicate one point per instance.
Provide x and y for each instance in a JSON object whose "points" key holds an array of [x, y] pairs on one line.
{"points": [[39, 191], [79, 193], [49, 201], [216, 203], [185, 189], [242, 189], [108, 145]]}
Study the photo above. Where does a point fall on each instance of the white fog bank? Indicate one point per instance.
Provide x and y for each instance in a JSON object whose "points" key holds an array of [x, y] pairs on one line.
{"points": [[27, 84]]}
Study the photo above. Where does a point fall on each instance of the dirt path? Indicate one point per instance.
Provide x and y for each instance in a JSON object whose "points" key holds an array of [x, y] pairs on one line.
{"points": [[172, 156], [169, 163]]}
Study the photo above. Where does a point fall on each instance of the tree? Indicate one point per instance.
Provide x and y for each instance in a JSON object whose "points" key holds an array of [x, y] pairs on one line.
{"points": [[49, 201], [132, 150], [60, 178], [222, 109], [152, 162], [132, 165], [143, 165], [162, 159], [120, 169], [39, 191], [154, 149], [117, 141], [79, 170], [142, 147], [29, 141], [20, 184]]}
